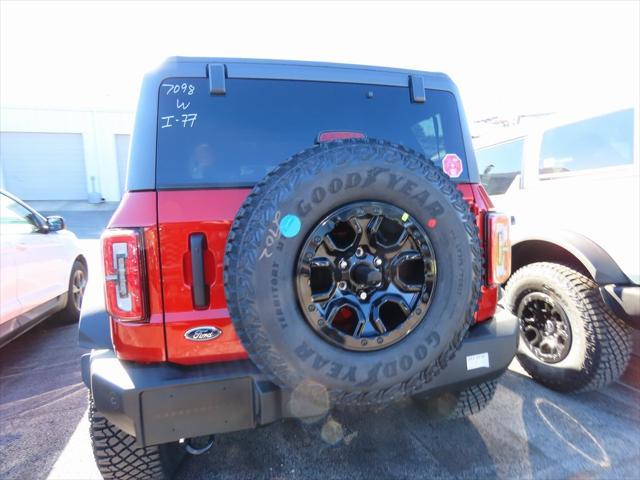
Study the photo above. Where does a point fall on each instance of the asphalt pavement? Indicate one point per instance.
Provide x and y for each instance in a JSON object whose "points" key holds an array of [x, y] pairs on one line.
{"points": [[526, 432]]}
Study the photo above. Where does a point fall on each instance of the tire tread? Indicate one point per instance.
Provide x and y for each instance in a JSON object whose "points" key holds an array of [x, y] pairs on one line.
{"points": [[474, 399], [117, 457], [608, 338]]}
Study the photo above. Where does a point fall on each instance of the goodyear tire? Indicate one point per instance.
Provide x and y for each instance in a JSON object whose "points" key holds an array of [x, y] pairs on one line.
{"points": [[269, 272]]}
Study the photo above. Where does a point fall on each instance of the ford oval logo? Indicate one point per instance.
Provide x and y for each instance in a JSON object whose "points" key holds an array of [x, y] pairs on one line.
{"points": [[202, 334]]}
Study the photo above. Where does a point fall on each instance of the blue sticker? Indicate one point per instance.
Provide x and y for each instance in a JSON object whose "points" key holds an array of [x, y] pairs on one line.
{"points": [[290, 226]]}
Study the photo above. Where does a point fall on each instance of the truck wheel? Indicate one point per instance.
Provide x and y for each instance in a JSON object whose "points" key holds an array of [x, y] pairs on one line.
{"points": [[569, 339], [461, 404], [352, 272], [77, 286], [118, 458]]}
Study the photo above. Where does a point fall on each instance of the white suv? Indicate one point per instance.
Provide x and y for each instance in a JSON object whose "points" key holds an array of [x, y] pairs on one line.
{"points": [[42, 269], [573, 190]]}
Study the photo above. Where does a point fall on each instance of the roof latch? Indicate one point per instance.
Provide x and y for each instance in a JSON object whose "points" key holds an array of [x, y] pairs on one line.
{"points": [[217, 74], [416, 84]]}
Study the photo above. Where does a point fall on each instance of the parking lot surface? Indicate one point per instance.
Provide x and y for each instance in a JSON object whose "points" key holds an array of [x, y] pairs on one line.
{"points": [[526, 432]]}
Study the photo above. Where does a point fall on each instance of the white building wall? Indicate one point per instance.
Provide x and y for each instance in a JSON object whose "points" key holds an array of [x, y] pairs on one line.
{"points": [[98, 129]]}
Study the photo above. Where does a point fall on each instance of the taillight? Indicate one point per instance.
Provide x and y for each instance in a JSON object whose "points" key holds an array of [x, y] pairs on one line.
{"points": [[123, 257], [499, 240]]}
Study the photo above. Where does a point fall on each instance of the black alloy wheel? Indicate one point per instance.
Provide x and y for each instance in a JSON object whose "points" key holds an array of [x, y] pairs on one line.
{"points": [[570, 339], [365, 276], [544, 327]]}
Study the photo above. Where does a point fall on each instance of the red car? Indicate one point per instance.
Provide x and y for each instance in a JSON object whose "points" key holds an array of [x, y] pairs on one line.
{"points": [[294, 236]]}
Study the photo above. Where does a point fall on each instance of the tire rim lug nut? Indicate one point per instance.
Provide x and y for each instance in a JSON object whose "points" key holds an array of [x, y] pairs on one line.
{"points": [[343, 264], [377, 262], [359, 252], [342, 285], [363, 295]]}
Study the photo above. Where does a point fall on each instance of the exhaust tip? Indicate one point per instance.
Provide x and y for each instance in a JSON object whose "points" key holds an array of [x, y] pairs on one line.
{"points": [[197, 445]]}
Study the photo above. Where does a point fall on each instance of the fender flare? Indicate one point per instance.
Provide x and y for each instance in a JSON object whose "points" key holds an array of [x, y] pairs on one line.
{"points": [[601, 267], [94, 329]]}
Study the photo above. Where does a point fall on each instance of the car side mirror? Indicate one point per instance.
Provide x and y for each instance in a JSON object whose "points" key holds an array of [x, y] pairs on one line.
{"points": [[55, 223]]}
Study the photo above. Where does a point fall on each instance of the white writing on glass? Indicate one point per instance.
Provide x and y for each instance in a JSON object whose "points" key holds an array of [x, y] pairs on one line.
{"points": [[181, 105], [176, 88], [186, 120], [167, 121]]}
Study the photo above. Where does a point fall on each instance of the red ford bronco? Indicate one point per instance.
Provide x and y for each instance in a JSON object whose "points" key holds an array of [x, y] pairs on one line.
{"points": [[294, 236]]}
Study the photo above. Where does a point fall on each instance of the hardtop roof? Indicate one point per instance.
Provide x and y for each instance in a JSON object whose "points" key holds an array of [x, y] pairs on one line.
{"points": [[304, 70], [182, 59]]}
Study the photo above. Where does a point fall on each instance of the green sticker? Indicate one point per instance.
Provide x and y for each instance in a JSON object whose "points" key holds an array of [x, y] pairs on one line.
{"points": [[405, 217]]}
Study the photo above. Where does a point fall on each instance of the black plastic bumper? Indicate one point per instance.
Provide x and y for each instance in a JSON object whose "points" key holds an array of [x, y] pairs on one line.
{"points": [[165, 402], [624, 300]]}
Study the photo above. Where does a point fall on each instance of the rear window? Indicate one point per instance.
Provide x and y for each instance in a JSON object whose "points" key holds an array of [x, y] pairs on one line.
{"points": [[237, 138]]}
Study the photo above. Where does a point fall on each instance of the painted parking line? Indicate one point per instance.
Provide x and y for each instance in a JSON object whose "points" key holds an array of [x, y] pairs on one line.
{"points": [[76, 460]]}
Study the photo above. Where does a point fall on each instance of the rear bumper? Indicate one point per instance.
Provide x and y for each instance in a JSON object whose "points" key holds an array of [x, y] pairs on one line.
{"points": [[162, 403], [624, 300]]}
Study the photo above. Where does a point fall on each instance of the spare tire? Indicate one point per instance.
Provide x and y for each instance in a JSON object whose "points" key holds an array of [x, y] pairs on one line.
{"points": [[355, 266]]}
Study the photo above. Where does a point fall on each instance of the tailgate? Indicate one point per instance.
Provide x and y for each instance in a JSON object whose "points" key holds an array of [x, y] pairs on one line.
{"points": [[193, 226]]}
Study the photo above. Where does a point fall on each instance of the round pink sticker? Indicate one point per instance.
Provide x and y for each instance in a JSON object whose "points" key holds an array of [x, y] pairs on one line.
{"points": [[452, 165]]}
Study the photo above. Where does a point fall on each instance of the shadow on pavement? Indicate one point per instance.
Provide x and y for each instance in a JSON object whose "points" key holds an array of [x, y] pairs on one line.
{"points": [[42, 398], [585, 435], [397, 441], [526, 432]]}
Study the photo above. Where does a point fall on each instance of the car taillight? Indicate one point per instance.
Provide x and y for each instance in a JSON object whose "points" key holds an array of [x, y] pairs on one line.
{"points": [[499, 239], [123, 257]]}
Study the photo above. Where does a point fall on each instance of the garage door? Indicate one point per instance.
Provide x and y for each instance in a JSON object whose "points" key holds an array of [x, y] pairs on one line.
{"points": [[122, 152], [43, 166]]}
